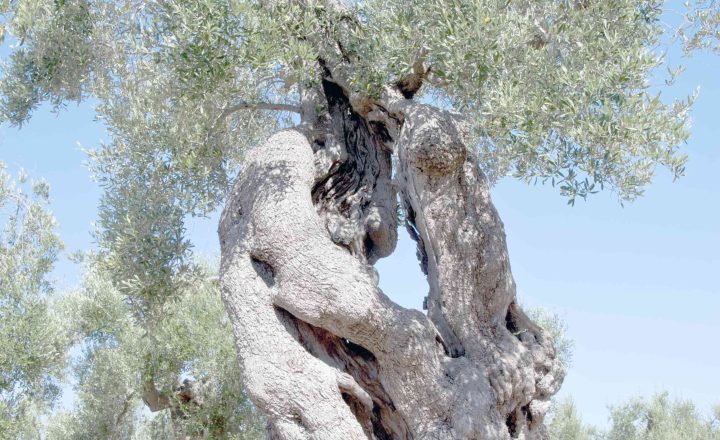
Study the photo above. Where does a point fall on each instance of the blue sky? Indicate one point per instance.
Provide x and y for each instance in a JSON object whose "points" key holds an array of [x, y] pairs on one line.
{"points": [[639, 286]]}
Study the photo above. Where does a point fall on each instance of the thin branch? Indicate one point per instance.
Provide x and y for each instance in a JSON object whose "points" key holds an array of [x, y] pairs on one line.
{"points": [[259, 106], [125, 408], [411, 83], [244, 105]]}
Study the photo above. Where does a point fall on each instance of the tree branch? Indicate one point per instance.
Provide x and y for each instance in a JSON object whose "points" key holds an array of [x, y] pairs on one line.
{"points": [[154, 400], [125, 408], [244, 105], [411, 83], [260, 106]]}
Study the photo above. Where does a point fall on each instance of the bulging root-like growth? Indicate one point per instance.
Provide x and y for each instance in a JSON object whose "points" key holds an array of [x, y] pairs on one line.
{"points": [[325, 354]]}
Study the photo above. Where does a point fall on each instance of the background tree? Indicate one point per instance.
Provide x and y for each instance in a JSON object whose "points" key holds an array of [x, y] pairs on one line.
{"points": [[118, 360], [32, 343], [565, 423], [661, 418], [555, 91], [656, 418], [123, 365]]}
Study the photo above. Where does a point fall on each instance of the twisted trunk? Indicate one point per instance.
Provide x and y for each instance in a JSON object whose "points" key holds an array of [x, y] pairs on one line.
{"points": [[325, 354]]}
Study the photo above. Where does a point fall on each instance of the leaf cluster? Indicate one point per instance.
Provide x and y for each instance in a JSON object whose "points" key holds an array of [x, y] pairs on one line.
{"points": [[701, 26]]}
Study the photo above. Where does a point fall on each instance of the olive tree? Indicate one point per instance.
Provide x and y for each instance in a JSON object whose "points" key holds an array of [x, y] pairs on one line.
{"points": [[656, 418], [565, 423], [119, 366], [661, 418], [182, 368], [32, 343], [335, 121]]}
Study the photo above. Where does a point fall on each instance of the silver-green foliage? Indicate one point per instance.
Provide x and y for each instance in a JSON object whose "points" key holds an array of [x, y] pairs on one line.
{"points": [[565, 423], [32, 343], [556, 329], [554, 90], [656, 418], [662, 418], [701, 26], [189, 338]]}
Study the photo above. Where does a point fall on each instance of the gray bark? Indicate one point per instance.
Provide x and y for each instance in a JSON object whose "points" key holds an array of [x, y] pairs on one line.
{"points": [[325, 354], [185, 399]]}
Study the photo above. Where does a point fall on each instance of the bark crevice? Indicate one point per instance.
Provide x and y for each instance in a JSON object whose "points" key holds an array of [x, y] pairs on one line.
{"points": [[264, 270], [379, 418], [354, 195]]}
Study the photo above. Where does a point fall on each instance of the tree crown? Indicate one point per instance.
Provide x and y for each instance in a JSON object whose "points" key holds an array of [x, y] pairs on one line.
{"points": [[555, 91]]}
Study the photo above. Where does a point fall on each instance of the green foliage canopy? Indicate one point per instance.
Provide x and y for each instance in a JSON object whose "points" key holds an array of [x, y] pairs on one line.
{"points": [[554, 90], [115, 353], [701, 27]]}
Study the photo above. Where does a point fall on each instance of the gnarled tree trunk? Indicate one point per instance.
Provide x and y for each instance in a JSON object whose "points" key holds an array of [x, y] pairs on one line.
{"points": [[325, 354]]}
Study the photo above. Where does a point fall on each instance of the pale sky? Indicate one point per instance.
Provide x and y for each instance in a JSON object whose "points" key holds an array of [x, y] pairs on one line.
{"points": [[638, 286]]}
